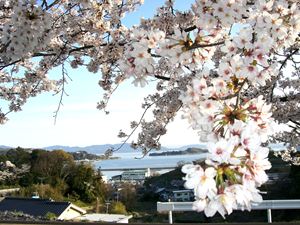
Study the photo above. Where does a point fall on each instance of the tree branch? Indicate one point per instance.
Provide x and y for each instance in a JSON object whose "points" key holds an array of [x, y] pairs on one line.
{"points": [[63, 92], [195, 46], [162, 77], [281, 67]]}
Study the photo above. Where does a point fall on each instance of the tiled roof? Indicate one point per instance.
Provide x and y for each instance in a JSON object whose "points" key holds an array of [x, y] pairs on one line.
{"points": [[34, 207]]}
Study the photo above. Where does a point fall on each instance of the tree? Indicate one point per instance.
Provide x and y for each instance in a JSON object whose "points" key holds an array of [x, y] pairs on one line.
{"points": [[18, 156], [55, 164], [231, 66], [127, 195], [85, 183]]}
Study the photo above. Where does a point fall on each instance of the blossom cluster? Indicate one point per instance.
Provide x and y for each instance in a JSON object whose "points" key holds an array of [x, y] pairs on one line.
{"points": [[237, 160], [27, 30], [234, 126]]}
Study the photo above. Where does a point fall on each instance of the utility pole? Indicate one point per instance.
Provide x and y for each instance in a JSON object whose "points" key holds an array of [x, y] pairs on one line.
{"points": [[97, 205], [107, 203]]}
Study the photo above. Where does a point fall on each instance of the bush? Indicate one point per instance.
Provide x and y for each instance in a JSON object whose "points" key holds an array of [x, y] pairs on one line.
{"points": [[118, 208], [50, 216], [44, 191]]}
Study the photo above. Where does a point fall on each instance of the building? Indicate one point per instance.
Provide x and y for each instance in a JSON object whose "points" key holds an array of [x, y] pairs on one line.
{"points": [[111, 218], [175, 195], [163, 194], [116, 179], [41, 207], [183, 196], [133, 176]]}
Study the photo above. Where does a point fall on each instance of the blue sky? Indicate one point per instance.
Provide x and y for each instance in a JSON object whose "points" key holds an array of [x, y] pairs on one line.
{"points": [[79, 123]]}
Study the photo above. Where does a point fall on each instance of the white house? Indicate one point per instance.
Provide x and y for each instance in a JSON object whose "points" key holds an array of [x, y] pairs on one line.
{"points": [[71, 212]]}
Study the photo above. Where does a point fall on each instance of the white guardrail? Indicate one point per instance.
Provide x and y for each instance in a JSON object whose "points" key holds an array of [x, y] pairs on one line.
{"points": [[265, 205]]}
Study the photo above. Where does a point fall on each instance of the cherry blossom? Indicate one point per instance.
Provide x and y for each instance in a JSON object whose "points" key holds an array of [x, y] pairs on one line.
{"points": [[231, 67]]}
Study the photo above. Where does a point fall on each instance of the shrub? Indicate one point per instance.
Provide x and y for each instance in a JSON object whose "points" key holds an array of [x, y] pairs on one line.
{"points": [[118, 208]]}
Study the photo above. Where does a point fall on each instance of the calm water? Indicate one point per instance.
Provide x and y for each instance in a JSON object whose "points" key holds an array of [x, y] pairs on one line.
{"points": [[127, 160]]}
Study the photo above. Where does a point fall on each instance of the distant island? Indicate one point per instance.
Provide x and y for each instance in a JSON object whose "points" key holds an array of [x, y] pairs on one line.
{"points": [[189, 151], [83, 155]]}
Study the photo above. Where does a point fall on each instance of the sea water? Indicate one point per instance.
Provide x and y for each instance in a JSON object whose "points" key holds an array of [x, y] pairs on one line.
{"points": [[135, 160]]}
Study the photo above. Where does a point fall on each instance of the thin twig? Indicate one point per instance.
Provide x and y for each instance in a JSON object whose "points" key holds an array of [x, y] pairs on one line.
{"points": [[134, 129], [281, 67], [157, 140], [64, 73]]}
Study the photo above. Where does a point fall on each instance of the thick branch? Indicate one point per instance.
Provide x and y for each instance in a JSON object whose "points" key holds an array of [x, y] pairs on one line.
{"points": [[288, 57], [162, 77], [195, 46], [190, 29]]}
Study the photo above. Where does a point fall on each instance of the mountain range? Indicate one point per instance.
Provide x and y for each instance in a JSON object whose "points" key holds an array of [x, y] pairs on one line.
{"points": [[100, 149], [126, 148]]}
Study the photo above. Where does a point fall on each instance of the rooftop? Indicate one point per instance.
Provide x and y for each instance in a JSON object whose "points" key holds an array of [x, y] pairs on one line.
{"points": [[33, 206]]}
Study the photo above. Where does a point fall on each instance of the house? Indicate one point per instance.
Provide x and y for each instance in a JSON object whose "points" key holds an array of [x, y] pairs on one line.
{"points": [[183, 195], [116, 178], [41, 207], [111, 218], [175, 195], [163, 194]]}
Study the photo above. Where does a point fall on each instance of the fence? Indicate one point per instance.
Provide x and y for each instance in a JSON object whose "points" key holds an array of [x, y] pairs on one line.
{"points": [[265, 205]]}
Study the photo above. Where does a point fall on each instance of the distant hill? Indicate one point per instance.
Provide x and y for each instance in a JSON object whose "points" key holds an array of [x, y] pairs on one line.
{"points": [[94, 149], [4, 149], [100, 149], [184, 147]]}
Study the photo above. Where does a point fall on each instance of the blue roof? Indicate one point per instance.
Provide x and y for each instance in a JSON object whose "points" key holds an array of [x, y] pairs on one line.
{"points": [[34, 207]]}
